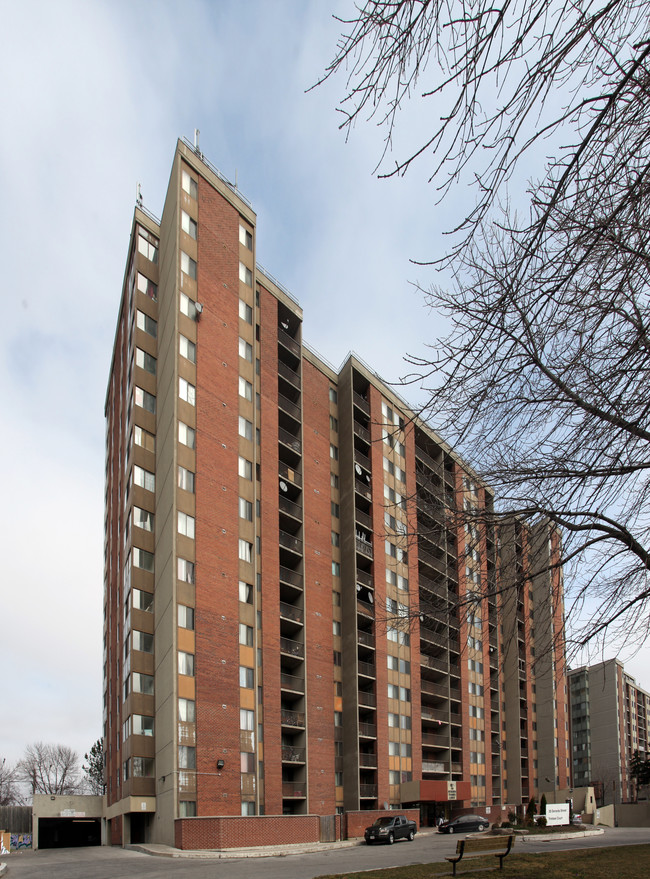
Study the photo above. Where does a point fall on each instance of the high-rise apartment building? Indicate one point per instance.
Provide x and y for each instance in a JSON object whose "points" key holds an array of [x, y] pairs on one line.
{"points": [[304, 603], [609, 723]]}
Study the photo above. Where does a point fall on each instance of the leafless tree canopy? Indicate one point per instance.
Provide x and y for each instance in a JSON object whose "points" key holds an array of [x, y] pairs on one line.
{"points": [[49, 769], [9, 795], [543, 380]]}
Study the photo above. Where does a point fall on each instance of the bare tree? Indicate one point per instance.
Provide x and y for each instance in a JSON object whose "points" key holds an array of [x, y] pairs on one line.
{"points": [[49, 769], [9, 795], [543, 379]]}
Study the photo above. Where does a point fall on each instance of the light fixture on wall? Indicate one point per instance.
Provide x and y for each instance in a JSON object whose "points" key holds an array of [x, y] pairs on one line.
{"points": [[220, 764]]}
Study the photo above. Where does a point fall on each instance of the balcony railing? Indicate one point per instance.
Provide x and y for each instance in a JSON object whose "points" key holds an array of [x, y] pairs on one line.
{"points": [[289, 343], [289, 474], [367, 699], [288, 541], [435, 714], [362, 459], [293, 755], [368, 730], [288, 439], [361, 431], [368, 791], [368, 760], [293, 578], [289, 507], [435, 741], [430, 766], [292, 648], [365, 608], [290, 374], [361, 402], [363, 519], [291, 682], [366, 639], [367, 669], [364, 579], [291, 612], [364, 548], [363, 489], [294, 790], [292, 718], [287, 406]]}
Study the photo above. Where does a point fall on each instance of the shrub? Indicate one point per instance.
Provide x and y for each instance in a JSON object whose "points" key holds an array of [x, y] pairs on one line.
{"points": [[506, 824], [541, 821], [512, 818]]}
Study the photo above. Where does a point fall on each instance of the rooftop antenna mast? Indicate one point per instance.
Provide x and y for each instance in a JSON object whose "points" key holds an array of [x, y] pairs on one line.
{"points": [[196, 141], [138, 195]]}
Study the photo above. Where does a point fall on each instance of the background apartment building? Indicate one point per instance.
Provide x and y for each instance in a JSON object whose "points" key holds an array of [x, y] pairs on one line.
{"points": [[609, 722], [303, 610]]}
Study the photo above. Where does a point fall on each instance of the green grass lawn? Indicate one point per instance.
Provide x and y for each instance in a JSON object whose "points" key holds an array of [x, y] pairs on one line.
{"points": [[620, 862]]}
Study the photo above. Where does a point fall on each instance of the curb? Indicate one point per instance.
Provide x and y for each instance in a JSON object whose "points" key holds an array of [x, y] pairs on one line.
{"points": [[168, 851], [538, 837], [3, 869]]}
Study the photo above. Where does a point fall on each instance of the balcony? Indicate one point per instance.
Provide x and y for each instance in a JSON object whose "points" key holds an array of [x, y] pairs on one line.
{"points": [[367, 700], [362, 460], [363, 489], [292, 683], [434, 740], [290, 508], [294, 790], [368, 791], [364, 548], [365, 608], [287, 406], [426, 558], [289, 343], [435, 714], [367, 730], [290, 475], [362, 432], [288, 541], [289, 374], [430, 766], [363, 519], [293, 755], [294, 719], [366, 639], [292, 648], [367, 669], [434, 663], [364, 579], [291, 612], [291, 578], [361, 402], [289, 440], [368, 761]]}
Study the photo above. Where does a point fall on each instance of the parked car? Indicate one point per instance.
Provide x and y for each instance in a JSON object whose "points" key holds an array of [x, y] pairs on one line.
{"points": [[389, 828], [577, 819], [465, 824]]}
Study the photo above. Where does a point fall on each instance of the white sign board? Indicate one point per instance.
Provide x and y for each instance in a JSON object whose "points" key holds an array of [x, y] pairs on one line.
{"points": [[557, 814], [451, 790]]}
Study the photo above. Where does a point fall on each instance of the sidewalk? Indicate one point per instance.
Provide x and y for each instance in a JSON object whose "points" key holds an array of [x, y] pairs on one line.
{"points": [[262, 851]]}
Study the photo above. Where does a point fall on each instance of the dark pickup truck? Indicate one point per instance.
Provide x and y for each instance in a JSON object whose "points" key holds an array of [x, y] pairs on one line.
{"points": [[389, 828]]}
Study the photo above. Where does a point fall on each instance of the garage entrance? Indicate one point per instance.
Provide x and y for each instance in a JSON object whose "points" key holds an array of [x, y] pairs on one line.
{"points": [[68, 832]]}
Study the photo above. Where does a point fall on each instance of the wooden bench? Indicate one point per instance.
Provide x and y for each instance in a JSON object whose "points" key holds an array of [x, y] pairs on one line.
{"points": [[475, 846]]}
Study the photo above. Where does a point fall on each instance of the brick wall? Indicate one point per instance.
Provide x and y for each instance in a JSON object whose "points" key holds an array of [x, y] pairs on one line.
{"points": [[244, 832]]}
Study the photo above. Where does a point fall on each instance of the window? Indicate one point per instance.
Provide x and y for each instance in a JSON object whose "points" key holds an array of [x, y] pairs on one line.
{"points": [[336, 628], [335, 509], [142, 600], [145, 361], [186, 525], [186, 435], [185, 479], [186, 757], [334, 480], [245, 592], [188, 265], [246, 677], [333, 395], [147, 245], [186, 391], [336, 538], [185, 571], [143, 519], [142, 725], [142, 641], [245, 428], [142, 559], [245, 237], [189, 185], [144, 399], [245, 350], [142, 683], [245, 275], [188, 306], [185, 616], [402, 583], [336, 569], [393, 691], [187, 710], [245, 468], [475, 711], [146, 324], [245, 388], [245, 509], [185, 663], [188, 225], [245, 550], [187, 349], [334, 452], [187, 808], [338, 718], [393, 776], [147, 287], [246, 719], [334, 424], [142, 767], [245, 312], [144, 439]]}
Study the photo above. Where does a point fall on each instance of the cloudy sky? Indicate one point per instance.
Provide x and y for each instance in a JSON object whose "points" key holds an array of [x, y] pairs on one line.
{"points": [[92, 99]]}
